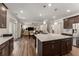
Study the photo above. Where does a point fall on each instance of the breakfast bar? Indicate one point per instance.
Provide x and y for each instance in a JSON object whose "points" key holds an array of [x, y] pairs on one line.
{"points": [[53, 44]]}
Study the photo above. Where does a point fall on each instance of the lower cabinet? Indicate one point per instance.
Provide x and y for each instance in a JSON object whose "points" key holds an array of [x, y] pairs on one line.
{"points": [[51, 48], [6, 48], [66, 46], [69, 45], [11, 46], [5, 51], [77, 42], [57, 47]]}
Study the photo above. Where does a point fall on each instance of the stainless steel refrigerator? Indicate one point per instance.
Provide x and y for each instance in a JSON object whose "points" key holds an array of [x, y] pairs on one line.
{"points": [[76, 34]]}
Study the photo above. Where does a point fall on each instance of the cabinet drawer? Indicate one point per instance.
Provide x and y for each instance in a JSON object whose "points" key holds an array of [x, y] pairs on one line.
{"points": [[51, 42]]}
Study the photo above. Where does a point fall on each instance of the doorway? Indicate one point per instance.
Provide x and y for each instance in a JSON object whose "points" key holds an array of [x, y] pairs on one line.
{"points": [[13, 29]]}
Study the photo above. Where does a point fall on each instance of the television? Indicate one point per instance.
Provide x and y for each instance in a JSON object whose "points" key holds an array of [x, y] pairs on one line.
{"points": [[30, 28]]}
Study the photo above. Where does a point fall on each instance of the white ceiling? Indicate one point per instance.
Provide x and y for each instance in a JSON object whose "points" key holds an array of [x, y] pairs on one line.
{"points": [[31, 11]]}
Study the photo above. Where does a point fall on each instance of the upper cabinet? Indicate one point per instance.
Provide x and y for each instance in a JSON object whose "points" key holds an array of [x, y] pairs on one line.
{"points": [[3, 15], [68, 22]]}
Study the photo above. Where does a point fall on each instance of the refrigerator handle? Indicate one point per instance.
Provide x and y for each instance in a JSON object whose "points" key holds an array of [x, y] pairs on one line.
{"points": [[73, 31]]}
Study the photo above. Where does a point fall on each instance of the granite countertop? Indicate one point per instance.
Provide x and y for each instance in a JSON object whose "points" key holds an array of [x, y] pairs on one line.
{"points": [[48, 37], [4, 39]]}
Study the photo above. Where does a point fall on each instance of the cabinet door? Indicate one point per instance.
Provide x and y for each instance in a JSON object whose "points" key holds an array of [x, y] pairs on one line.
{"points": [[70, 23], [55, 48], [66, 23], [3, 15], [47, 50], [0, 15], [66, 46], [76, 19], [69, 45], [52, 48], [0, 52], [5, 51], [63, 47], [11, 46]]}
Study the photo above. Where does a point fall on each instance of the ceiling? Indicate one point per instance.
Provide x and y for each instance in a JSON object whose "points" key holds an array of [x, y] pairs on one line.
{"points": [[38, 12]]}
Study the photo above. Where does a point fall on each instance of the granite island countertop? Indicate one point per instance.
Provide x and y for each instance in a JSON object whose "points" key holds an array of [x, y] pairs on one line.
{"points": [[4, 39], [49, 37]]}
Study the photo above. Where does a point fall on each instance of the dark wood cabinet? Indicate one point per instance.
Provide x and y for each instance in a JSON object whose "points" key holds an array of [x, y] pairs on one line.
{"points": [[6, 48], [5, 51], [76, 19], [11, 46], [55, 47], [50, 48], [77, 42], [68, 22], [69, 45], [3, 15], [66, 46]]}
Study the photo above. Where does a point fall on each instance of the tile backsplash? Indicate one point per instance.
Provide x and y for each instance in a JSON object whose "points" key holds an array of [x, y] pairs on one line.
{"points": [[68, 31]]}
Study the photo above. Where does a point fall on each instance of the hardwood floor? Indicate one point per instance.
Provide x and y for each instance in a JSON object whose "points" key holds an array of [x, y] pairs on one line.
{"points": [[26, 47], [75, 51]]}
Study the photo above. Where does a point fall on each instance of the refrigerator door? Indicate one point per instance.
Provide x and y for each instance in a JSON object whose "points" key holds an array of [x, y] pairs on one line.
{"points": [[75, 30], [74, 26], [77, 33]]}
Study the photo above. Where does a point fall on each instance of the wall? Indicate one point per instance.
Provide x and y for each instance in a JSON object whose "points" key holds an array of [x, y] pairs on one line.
{"points": [[57, 26], [43, 27], [18, 29], [46, 27]]}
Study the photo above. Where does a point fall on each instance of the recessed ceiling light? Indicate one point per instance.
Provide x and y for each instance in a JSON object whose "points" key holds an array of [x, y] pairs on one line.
{"points": [[21, 11], [3, 8], [55, 23], [68, 10], [40, 14], [49, 5], [44, 22]]}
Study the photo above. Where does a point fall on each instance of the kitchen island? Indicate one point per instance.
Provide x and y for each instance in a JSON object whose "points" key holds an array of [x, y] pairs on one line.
{"points": [[6, 46], [53, 44]]}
